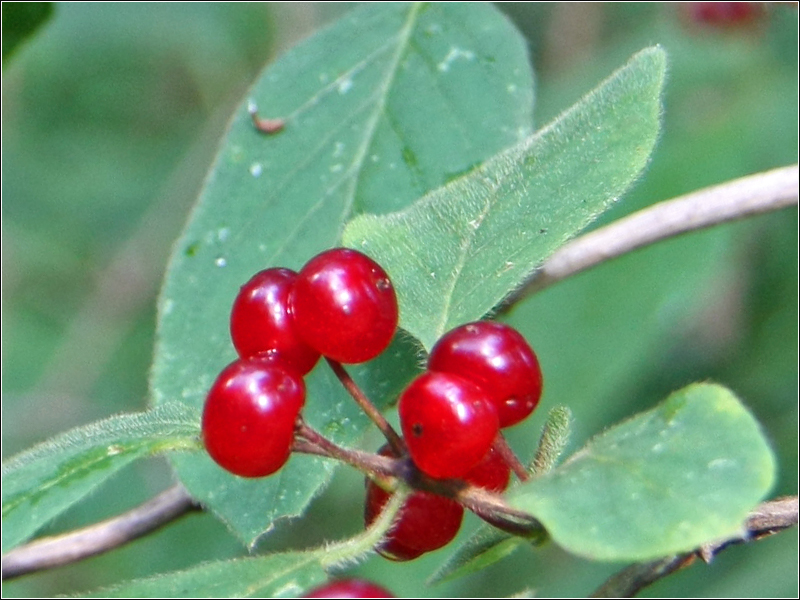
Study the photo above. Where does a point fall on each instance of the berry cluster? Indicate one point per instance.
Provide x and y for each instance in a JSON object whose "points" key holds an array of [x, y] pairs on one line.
{"points": [[480, 378], [340, 305]]}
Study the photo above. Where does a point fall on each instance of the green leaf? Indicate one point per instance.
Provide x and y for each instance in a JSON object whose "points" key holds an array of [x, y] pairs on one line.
{"points": [[283, 575], [390, 102], [21, 20], [42, 482], [483, 548], [665, 481], [457, 252]]}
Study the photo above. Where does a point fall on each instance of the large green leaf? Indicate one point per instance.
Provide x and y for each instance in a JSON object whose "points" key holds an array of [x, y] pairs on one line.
{"points": [[665, 481], [44, 481], [455, 254], [390, 102], [283, 575]]}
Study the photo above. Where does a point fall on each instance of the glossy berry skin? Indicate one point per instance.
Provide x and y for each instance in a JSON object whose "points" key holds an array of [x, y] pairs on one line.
{"points": [[498, 359], [249, 416], [350, 588], [448, 422], [427, 522], [261, 320], [344, 306]]}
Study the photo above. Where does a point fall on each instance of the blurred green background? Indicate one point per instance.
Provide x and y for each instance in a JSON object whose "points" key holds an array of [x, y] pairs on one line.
{"points": [[111, 117]]}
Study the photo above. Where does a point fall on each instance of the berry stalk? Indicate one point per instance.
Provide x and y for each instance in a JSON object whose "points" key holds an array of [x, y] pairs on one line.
{"points": [[396, 442], [501, 447]]}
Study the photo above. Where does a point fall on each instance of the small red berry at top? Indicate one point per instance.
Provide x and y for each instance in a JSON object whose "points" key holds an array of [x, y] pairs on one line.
{"points": [[261, 321], [724, 14], [344, 306]]}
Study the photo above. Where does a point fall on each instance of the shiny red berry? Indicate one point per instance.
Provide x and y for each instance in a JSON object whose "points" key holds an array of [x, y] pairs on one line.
{"points": [[498, 359], [350, 588], [427, 522], [249, 415], [448, 422], [344, 306], [261, 320]]}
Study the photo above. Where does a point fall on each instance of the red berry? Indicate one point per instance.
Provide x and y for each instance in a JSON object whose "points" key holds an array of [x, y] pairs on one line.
{"points": [[344, 306], [492, 473], [261, 321], [249, 416], [448, 422], [724, 14], [350, 588], [426, 522], [499, 360]]}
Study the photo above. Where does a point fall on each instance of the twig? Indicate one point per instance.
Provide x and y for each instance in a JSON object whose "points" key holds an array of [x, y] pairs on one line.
{"points": [[50, 552], [768, 519], [736, 199], [395, 441], [309, 441], [501, 447]]}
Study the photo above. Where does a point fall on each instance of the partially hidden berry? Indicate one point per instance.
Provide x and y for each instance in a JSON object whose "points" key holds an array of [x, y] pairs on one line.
{"points": [[492, 473], [249, 416], [344, 306], [497, 358], [426, 521], [350, 588], [448, 422], [261, 321]]}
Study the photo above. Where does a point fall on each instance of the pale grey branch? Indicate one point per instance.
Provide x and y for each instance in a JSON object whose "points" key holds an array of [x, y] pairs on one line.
{"points": [[56, 551], [736, 199]]}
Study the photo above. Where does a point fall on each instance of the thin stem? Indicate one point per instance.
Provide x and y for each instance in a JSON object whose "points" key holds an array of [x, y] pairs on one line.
{"points": [[736, 199], [395, 441], [311, 441], [510, 458], [50, 552], [385, 469], [767, 519]]}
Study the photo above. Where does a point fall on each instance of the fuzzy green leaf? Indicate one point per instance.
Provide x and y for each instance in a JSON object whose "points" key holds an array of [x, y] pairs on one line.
{"points": [[388, 103], [457, 252], [666, 481], [483, 548], [42, 482]]}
